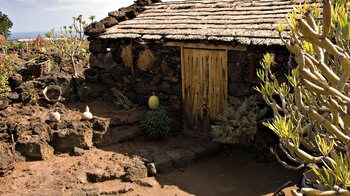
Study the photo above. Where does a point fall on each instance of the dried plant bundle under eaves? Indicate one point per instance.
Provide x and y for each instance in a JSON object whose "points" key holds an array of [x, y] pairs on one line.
{"points": [[126, 55], [146, 60]]}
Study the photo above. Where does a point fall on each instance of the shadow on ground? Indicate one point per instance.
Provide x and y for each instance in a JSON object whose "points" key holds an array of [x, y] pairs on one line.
{"points": [[227, 173], [234, 173]]}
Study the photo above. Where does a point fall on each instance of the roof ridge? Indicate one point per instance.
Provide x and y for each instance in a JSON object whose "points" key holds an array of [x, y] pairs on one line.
{"points": [[114, 17]]}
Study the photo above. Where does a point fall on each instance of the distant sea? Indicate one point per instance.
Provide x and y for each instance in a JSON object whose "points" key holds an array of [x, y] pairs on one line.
{"points": [[25, 35]]}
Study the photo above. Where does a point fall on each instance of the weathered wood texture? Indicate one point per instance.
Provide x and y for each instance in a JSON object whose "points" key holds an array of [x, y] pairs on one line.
{"points": [[246, 22], [204, 83]]}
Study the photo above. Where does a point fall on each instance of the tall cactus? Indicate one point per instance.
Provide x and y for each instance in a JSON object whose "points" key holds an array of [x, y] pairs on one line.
{"points": [[312, 111]]}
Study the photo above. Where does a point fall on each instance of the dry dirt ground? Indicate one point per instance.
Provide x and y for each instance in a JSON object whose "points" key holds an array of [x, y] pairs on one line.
{"points": [[105, 173], [113, 170]]}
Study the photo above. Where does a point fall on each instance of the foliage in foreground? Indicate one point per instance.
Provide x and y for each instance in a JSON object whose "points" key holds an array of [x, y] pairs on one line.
{"points": [[156, 124], [7, 63], [71, 40], [312, 111], [5, 25], [238, 123]]}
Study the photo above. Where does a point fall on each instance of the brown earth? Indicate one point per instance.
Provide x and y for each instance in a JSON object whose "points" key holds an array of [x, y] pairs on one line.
{"points": [[26, 134], [103, 172]]}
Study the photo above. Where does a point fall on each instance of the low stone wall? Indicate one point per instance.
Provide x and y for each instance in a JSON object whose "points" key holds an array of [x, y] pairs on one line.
{"points": [[164, 79]]}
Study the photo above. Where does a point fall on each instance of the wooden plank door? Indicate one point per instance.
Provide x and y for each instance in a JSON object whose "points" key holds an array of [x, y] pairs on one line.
{"points": [[204, 86]]}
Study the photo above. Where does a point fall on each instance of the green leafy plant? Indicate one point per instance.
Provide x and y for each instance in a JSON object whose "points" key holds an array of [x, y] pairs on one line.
{"points": [[92, 18], [84, 92], [31, 96], [5, 25], [7, 63], [71, 40], [238, 123], [122, 99], [311, 110], [156, 124]]}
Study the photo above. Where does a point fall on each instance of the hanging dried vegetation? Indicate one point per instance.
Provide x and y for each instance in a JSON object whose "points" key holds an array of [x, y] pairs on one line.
{"points": [[126, 55], [146, 60]]}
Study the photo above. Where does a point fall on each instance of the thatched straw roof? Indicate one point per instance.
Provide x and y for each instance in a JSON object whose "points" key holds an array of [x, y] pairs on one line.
{"points": [[243, 21]]}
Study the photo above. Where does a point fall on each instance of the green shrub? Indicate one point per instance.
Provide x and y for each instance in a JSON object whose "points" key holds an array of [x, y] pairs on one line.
{"points": [[156, 124], [7, 63]]}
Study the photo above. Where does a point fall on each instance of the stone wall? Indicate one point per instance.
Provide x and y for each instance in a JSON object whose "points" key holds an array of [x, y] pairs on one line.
{"points": [[242, 68], [164, 79]]}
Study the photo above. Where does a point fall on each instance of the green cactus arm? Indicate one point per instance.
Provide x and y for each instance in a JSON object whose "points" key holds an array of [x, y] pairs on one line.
{"points": [[327, 18], [306, 157], [334, 106], [312, 87], [301, 166], [319, 118], [330, 90], [290, 155], [310, 21], [342, 81], [324, 69], [306, 30]]}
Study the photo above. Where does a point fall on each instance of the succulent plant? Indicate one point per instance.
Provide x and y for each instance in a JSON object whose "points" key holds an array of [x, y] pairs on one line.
{"points": [[238, 123], [312, 110], [156, 124]]}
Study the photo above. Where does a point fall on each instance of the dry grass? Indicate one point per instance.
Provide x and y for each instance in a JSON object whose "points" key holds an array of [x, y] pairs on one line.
{"points": [[126, 55], [2, 39], [3, 149], [146, 60]]}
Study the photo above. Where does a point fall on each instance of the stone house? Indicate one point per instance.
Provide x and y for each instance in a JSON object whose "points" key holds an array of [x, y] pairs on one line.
{"points": [[192, 54]]}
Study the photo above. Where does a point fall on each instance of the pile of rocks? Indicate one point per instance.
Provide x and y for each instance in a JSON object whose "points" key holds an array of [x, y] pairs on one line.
{"points": [[113, 18]]}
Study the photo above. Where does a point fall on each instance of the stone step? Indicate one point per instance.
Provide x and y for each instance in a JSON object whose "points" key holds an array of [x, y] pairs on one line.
{"points": [[183, 157], [124, 117], [119, 134]]}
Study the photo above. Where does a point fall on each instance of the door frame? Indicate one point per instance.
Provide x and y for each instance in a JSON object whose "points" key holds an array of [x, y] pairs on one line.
{"points": [[199, 46]]}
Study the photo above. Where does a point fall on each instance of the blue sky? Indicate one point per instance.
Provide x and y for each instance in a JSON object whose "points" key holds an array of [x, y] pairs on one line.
{"points": [[43, 15]]}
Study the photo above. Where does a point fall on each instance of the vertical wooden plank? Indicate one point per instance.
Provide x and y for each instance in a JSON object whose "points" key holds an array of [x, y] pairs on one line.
{"points": [[226, 78], [183, 65]]}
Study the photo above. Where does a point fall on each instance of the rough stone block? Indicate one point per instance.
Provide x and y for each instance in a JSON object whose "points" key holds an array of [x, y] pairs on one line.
{"points": [[64, 140], [95, 28], [163, 163], [120, 16], [107, 79], [100, 175], [97, 46], [127, 117], [199, 151], [33, 148], [120, 134], [206, 150], [235, 72], [6, 161], [96, 62], [238, 89], [100, 124], [135, 172], [109, 21], [181, 157]]}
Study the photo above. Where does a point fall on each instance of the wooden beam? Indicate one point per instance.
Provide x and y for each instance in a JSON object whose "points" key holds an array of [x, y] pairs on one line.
{"points": [[207, 46]]}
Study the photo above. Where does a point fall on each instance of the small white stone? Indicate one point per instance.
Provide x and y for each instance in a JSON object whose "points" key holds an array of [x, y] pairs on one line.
{"points": [[87, 115], [55, 116]]}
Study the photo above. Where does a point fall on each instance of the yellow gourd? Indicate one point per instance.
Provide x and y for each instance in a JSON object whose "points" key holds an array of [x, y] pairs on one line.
{"points": [[153, 102]]}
